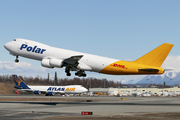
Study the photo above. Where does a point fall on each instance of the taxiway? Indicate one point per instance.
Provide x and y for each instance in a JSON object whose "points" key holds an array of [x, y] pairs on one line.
{"points": [[42, 107]]}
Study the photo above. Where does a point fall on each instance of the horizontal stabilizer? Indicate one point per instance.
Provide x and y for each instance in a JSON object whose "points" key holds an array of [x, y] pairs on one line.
{"points": [[149, 70], [17, 87], [168, 69]]}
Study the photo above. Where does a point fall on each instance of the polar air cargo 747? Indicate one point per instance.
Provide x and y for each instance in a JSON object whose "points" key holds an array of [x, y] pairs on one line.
{"points": [[51, 57], [48, 90]]}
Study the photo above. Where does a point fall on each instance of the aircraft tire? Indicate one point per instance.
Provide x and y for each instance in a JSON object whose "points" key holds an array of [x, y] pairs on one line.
{"points": [[84, 75], [16, 60], [68, 74]]}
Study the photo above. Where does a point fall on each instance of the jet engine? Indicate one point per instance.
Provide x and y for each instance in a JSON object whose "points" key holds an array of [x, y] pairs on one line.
{"points": [[51, 63], [50, 94], [45, 63], [37, 92], [56, 63]]}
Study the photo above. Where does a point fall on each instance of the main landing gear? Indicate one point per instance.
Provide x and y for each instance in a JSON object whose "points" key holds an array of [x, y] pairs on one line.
{"points": [[17, 60], [79, 73], [67, 70]]}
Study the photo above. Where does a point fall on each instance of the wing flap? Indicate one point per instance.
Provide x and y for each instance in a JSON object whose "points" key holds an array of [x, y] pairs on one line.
{"points": [[73, 59]]}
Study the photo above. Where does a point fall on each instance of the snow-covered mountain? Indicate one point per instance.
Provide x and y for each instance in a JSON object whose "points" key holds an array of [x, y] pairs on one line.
{"points": [[170, 78], [131, 79]]}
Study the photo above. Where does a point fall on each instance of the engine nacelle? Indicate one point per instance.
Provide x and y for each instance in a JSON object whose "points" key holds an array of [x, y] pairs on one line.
{"points": [[50, 94], [51, 63], [56, 63], [45, 63], [37, 92]]}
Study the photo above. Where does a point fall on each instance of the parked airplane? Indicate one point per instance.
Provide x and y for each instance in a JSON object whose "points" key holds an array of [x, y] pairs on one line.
{"points": [[48, 90], [51, 57]]}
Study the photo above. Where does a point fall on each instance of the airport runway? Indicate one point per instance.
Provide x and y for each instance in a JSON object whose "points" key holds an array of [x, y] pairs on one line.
{"points": [[54, 107]]}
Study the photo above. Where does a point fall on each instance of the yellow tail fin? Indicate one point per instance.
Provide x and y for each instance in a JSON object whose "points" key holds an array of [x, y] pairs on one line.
{"points": [[157, 56]]}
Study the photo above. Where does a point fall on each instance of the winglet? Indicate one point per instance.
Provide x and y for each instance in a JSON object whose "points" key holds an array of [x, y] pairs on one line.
{"points": [[19, 83], [157, 56]]}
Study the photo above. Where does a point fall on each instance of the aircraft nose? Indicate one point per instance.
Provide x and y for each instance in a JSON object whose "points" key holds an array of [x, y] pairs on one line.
{"points": [[7, 46], [85, 89]]}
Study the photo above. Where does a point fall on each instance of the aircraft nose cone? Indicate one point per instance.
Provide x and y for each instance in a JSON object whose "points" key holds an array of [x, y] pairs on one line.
{"points": [[85, 89], [7, 46]]}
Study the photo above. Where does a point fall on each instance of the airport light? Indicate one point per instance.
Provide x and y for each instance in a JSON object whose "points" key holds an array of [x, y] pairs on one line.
{"points": [[90, 82], [118, 81], [131, 83], [152, 88], [104, 83], [54, 80], [171, 79], [152, 82], [170, 88], [147, 84]]}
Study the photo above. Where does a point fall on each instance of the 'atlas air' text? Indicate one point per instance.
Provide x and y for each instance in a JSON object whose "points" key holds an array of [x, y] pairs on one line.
{"points": [[60, 89]]}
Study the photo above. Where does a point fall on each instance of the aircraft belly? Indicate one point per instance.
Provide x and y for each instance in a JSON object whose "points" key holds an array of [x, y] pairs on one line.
{"points": [[99, 63], [130, 68]]}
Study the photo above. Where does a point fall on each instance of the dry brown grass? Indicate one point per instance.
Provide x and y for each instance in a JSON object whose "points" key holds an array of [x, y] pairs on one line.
{"points": [[7, 89]]}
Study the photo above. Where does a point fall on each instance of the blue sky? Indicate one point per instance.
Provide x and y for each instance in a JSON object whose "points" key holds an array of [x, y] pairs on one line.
{"points": [[112, 28]]}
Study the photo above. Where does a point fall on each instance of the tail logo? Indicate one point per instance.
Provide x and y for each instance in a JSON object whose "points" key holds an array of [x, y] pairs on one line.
{"points": [[17, 79]]}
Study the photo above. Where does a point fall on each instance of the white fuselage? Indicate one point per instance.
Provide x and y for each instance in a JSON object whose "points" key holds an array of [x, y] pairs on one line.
{"points": [[70, 89], [39, 51], [52, 57]]}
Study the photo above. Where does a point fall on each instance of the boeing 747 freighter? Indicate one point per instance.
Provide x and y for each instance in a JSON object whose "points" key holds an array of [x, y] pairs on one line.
{"points": [[52, 57], [48, 90]]}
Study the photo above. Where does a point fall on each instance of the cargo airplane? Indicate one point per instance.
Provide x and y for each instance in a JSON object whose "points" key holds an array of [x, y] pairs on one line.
{"points": [[48, 90], [52, 57]]}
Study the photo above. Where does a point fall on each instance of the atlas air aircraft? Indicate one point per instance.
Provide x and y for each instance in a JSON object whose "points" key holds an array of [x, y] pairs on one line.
{"points": [[52, 57], [48, 90]]}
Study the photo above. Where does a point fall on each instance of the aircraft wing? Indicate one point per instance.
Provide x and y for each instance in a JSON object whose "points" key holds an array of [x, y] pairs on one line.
{"points": [[43, 91], [28, 90], [72, 63], [72, 59]]}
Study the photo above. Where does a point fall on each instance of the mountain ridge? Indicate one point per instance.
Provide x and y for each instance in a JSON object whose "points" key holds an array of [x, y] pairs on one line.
{"points": [[170, 78]]}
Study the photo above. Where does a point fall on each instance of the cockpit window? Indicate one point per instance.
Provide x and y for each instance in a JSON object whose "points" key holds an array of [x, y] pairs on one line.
{"points": [[14, 39]]}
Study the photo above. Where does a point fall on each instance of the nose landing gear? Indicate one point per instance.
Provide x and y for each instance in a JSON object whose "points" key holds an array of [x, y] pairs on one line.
{"points": [[17, 60]]}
